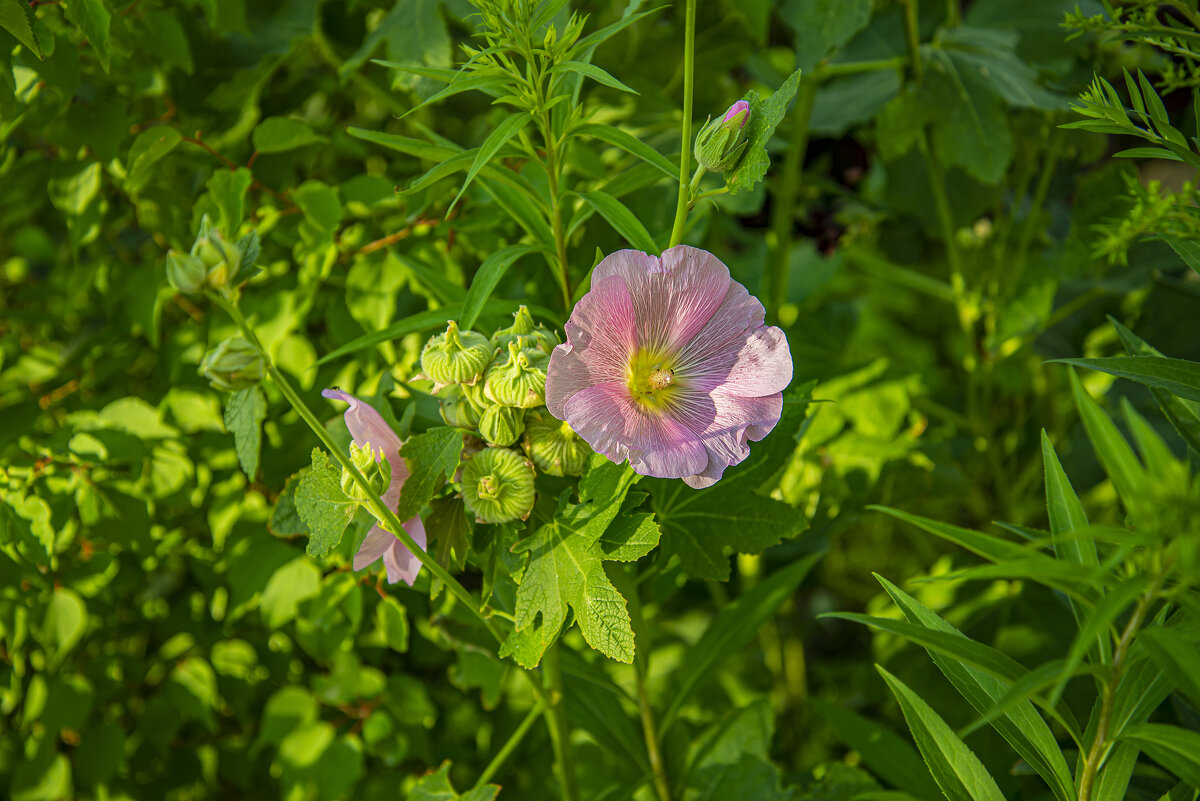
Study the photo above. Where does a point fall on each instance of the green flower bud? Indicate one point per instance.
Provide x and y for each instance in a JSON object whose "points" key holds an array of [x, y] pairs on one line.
{"points": [[519, 380], [221, 259], [456, 357], [502, 425], [720, 143], [554, 446], [525, 334], [185, 272], [498, 486], [457, 408], [232, 365], [377, 473]]}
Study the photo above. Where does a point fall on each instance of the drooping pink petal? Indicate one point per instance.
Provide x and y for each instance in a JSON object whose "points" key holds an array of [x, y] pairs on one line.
{"points": [[368, 428], [737, 422], [602, 325], [673, 297], [613, 424]]}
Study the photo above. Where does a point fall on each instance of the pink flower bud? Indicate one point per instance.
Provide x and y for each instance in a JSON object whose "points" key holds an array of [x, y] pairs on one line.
{"points": [[739, 109]]}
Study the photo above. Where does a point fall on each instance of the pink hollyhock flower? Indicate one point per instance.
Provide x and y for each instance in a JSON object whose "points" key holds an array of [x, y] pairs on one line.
{"points": [[668, 364], [369, 429], [739, 108]]}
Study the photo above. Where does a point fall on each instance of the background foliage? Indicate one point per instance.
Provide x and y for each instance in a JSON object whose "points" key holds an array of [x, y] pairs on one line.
{"points": [[930, 233]]}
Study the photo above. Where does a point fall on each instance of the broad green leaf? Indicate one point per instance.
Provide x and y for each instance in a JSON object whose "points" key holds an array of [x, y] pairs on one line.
{"points": [[228, 190], [146, 151], [765, 116], [430, 456], [447, 528], [991, 54], [285, 520], [955, 767], [970, 127], [823, 26], [1175, 748], [320, 204], [65, 622], [566, 570], [596, 707], [1183, 414], [1022, 726], [887, 754], [486, 278], [413, 29], [1173, 648], [630, 537], [622, 220], [93, 19], [244, 414], [616, 137], [72, 194], [322, 505], [591, 71], [702, 526], [291, 584], [1177, 376], [436, 786], [281, 134], [1113, 451], [392, 622], [730, 631], [16, 17], [495, 140]]}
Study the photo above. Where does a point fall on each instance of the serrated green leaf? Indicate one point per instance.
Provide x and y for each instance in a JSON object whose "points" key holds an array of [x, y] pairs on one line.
{"points": [[447, 527], [323, 506], [16, 17], [245, 412], [823, 26], [430, 457], [955, 767], [486, 278], [732, 628], [285, 520], [622, 220], [970, 128], [93, 19], [765, 116], [630, 537]]}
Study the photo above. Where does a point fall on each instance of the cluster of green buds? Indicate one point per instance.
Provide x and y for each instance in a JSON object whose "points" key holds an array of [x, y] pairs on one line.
{"points": [[213, 262], [377, 472], [496, 387], [233, 365], [721, 143]]}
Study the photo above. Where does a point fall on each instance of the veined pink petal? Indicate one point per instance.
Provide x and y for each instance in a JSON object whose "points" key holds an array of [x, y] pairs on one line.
{"points": [[673, 297], [368, 428], [602, 325], [655, 444], [737, 422]]}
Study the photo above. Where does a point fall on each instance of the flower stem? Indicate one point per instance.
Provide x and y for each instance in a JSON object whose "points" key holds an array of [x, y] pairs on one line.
{"points": [[783, 211], [511, 744], [685, 155], [376, 504], [556, 722], [649, 730]]}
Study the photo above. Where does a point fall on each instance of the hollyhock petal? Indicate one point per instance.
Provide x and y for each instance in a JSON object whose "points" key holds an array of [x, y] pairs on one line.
{"points": [[655, 444], [763, 367], [373, 547], [600, 339], [737, 422], [399, 562], [673, 297], [368, 427]]}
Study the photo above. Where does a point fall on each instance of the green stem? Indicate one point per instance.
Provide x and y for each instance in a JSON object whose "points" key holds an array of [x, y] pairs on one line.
{"points": [[1035, 207], [784, 210], [685, 156], [556, 223], [556, 722], [913, 36], [857, 67], [953, 15], [511, 744], [941, 200], [378, 508], [653, 749]]}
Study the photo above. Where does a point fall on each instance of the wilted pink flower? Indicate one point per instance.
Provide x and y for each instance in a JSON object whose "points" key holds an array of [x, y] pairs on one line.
{"points": [[369, 429], [736, 109], [668, 364]]}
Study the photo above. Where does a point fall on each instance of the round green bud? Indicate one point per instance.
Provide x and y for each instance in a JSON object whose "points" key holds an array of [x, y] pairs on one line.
{"points": [[498, 486], [501, 425], [525, 333], [456, 357], [221, 259], [233, 365], [377, 473], [518, 380], [185, 272], [457, 409], [554, 446], [721, 143]]}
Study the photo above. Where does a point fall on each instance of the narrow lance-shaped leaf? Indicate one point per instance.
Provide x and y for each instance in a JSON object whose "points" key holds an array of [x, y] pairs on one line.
{"points": [[955, 767], [1175, 748], [1183, 414], [506, 130], [1115, 455], [1177, 376], [630, 144], [592, 71], [622, 219], [1174, 649], [486, 278]]}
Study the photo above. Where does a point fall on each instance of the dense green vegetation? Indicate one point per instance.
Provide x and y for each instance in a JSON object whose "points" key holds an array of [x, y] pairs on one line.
{"points": [[975, 221]]}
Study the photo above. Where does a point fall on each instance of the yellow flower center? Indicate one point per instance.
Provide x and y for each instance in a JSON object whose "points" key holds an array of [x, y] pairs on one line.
{"points": [[651, 380]]}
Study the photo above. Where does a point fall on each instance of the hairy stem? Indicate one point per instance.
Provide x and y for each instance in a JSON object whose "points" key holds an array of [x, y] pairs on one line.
{"points": [[556, 722], [511, 744], [685, 155], [783, 212]]}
